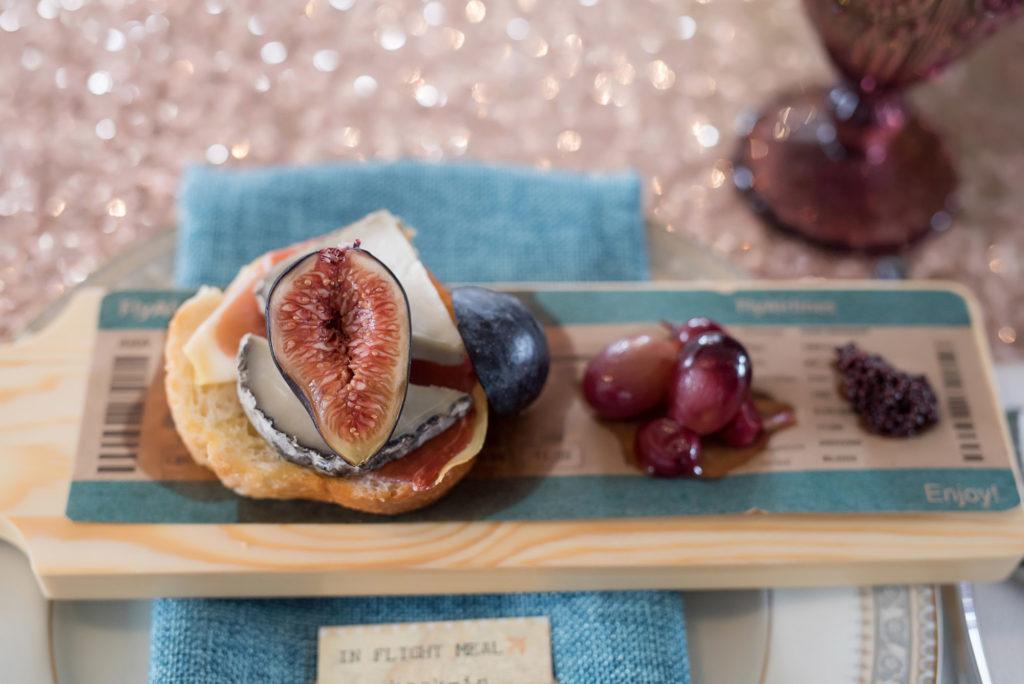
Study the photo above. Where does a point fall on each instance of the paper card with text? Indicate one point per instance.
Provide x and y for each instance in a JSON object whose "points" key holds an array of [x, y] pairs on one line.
{"points": [[495, 651], [556, 462]]}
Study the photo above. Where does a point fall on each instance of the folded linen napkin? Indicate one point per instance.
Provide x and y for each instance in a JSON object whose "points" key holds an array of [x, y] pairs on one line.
{"points": [[596, 637], [474, 223]]}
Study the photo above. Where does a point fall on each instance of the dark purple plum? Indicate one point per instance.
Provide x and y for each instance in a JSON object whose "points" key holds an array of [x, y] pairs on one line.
{"points": [[712, 380], [629, 377], [664, 448], [506, 345]]}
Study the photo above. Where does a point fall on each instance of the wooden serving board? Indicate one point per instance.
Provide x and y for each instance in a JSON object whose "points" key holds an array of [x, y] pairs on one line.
{"points": [[43, 383]]}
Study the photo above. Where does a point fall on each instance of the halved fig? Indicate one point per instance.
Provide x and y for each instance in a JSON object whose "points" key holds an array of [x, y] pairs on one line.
{"points": [[338, 324], [282, 420]]}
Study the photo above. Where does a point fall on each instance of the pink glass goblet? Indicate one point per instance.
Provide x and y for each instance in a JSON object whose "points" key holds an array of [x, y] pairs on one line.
{"points": [[852, 166]]}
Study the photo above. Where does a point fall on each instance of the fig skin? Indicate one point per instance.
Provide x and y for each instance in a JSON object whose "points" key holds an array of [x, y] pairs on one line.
{"points": [[360, 455], [506, 344]]}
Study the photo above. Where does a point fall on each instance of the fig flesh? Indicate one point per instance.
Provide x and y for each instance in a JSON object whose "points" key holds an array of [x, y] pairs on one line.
{"points": [[339, 329], [506, 344], [434, 336]]}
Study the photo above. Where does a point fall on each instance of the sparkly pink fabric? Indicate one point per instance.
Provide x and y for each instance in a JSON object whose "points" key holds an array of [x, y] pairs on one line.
{"points": [[103, 101]]}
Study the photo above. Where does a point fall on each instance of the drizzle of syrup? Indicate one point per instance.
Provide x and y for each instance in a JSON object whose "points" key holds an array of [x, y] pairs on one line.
{"points": [[717, 459]]}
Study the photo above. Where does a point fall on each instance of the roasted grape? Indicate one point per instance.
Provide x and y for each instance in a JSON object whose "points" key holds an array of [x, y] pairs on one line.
{"points": [[744, 428], [711, 382], [629, 377], [664, 448]]}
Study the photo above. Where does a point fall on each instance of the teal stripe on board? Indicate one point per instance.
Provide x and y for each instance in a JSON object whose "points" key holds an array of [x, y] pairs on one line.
{"points": [[756, 307], [575, 497], [135, 309], [153, 309], [151, 501]]}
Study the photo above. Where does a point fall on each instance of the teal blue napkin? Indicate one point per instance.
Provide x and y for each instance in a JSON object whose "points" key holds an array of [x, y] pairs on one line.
{"points": [[474, 223], [634, 637]]}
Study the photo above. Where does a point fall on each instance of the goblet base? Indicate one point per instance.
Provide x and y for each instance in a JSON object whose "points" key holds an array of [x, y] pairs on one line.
{"points": [[876, 187]]}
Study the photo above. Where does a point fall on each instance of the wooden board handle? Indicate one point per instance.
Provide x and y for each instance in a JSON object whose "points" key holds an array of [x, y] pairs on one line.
{"points": [[42, 391]]}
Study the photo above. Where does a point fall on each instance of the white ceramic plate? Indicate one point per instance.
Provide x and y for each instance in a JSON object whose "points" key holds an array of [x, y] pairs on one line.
{"points": [[825, 636]]}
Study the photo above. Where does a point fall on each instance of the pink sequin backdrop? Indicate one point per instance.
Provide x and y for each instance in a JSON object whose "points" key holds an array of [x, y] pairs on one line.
{"points": [[102, 102]]}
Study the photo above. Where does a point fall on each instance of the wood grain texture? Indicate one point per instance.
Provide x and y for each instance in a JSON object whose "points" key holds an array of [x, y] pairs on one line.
{"points": [[42, 389]]}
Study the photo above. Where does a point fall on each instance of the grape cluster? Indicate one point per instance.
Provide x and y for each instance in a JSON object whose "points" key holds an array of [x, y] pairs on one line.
{"points": [[889, 401], [697, 377]]}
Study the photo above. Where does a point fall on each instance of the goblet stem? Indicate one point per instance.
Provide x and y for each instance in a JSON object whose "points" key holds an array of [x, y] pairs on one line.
{"points": [[866, 124]]}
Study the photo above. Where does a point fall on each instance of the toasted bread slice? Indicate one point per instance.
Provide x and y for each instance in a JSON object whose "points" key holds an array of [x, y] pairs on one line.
{"points": [[217, 433]]}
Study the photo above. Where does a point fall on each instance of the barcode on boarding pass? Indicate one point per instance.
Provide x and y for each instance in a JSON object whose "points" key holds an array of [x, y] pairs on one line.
{"points": [[122, 418], [127, 432], [956, 404], [123, 370]]}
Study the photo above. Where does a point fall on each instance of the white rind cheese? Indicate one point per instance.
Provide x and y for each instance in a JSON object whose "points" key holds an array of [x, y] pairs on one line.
{"points": [[280, 418]]}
